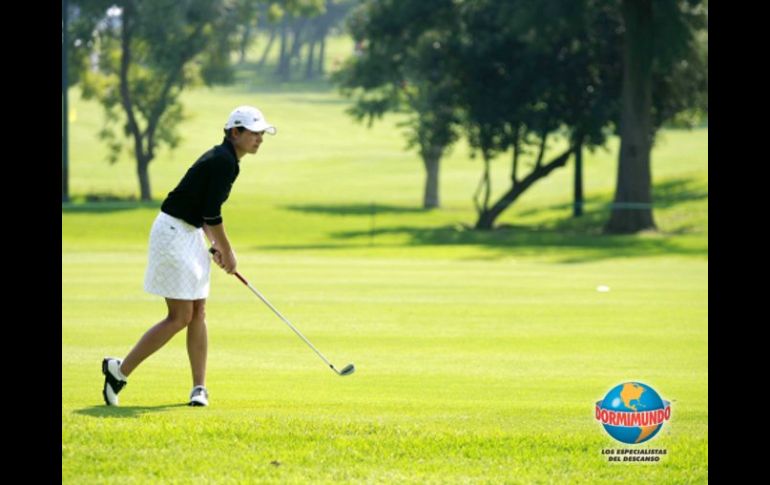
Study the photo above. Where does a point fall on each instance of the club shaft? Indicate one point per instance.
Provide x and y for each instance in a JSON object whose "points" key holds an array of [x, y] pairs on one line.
{"points": [[261, 297]]}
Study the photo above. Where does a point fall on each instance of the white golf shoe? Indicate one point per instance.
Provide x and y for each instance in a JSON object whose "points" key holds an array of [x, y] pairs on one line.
{"points": [[114, 380], [199, 396]]}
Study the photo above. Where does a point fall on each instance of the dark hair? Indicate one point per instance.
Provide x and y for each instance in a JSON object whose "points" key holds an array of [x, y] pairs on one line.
{"points": [[227, 130]]}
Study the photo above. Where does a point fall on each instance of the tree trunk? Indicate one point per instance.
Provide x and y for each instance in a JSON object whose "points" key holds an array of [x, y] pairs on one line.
{"points": [[487, 217], [432, 163], [296, 45], [245, 41], [127, 102], [144, 179], [310, 59], [322, 55], [485, 221], [632, 210], [484, 188], [283, 60], [577, 208], [65, 191], [269, 46]]}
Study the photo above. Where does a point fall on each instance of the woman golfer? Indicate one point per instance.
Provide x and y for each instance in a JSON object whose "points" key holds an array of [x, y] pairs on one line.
{"points": [[178, 267]]}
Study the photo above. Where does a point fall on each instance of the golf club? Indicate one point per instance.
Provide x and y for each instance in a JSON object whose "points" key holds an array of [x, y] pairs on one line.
{"points": [[346, 371]]}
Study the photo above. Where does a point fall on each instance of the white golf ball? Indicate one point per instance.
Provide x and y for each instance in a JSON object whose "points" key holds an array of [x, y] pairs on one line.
{"points": [[602, 288]]}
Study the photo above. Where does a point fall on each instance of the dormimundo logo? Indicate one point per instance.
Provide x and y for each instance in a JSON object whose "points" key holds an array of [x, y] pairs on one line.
{"points": [[633, 412]]}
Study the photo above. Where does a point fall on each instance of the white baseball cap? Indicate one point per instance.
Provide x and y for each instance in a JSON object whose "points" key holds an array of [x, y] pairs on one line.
{"points": [[250, 118]]}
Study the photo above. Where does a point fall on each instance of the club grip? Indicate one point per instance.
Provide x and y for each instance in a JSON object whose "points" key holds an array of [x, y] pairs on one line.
{"points": [[237, 274], [243, 280]]}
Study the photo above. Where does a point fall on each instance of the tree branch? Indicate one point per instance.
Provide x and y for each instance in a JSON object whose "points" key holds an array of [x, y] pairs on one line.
{"points": [[125, 95], [162, 103]]}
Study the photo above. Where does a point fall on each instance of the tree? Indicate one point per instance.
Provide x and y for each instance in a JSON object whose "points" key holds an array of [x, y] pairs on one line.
{"points": [[633, 196], [401, 65], [294, 16], [304, 23], [486, 66], [535, 72], [516, 75], [662, 60], [143, 55], [78, 21], [65, 105], [334, 13], [248, 13]]}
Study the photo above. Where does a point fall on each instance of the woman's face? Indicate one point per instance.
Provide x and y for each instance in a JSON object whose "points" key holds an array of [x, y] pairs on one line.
{"points": [[247, 141]]}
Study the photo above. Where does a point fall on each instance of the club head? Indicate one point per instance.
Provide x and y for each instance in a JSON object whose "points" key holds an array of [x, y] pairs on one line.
{"points": [[347, 370]]}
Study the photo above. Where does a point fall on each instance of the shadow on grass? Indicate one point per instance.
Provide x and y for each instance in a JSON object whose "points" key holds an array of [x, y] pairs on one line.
{"points": [[565, 245], [125, 411], [566, 239], [355, 209], [101, 203], [664, 195]]}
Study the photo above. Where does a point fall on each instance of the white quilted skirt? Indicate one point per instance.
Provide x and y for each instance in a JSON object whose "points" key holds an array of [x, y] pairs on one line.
{"points": [[178, 264]]}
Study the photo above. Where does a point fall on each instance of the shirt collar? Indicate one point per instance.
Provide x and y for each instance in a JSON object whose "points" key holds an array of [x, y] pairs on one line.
{"points": [[230, 148]]}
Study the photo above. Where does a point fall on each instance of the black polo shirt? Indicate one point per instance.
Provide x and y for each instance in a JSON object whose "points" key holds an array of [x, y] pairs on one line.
{"points": [[199, 196]]}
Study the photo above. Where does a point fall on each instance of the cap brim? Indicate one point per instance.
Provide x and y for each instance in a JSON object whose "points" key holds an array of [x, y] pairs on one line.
{"points": [[270, 129]]}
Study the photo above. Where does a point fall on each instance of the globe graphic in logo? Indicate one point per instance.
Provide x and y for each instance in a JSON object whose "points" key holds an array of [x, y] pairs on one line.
{"points": [[633, 412]]}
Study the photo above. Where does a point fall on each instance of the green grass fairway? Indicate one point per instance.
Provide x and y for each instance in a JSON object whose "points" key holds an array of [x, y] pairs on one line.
{"points": [[466, 371], [479, 356]]}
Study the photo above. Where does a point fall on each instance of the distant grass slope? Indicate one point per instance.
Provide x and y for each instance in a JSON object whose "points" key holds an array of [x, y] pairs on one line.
{"points": [[349, 186]]}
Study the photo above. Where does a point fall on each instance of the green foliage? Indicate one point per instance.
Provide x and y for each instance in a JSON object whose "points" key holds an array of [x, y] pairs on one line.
{"points": [[142, 55], [399, 66], [680, 66], [518, 74], [83, 18], [278, 10], [517, 70]]}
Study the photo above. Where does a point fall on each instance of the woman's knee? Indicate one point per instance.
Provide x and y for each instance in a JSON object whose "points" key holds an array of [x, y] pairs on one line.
{"points": [[199, 313], [179, 321], [180, 315], [198, 319]]}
